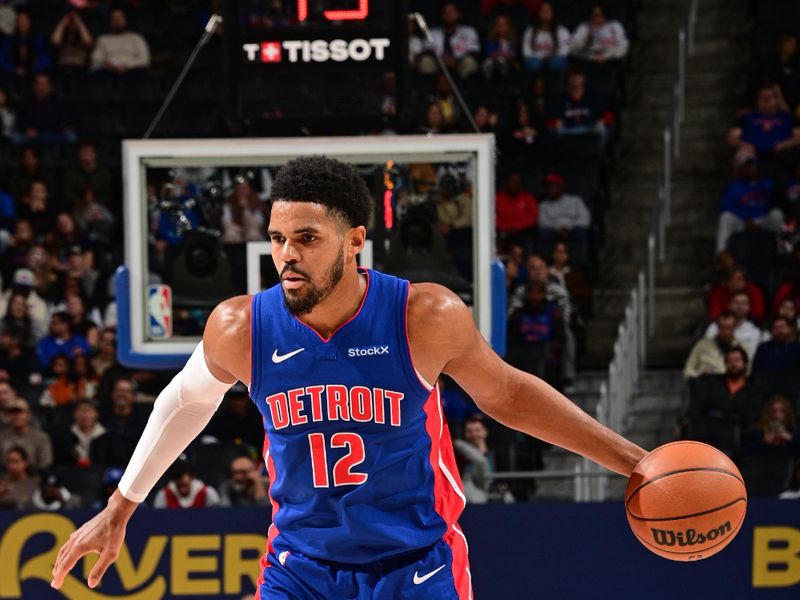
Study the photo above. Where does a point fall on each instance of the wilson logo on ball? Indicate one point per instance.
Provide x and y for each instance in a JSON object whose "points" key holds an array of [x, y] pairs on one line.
{"points": [[690, 537]]}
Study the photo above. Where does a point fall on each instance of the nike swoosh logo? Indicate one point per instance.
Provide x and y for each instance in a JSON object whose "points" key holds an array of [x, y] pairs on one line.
{"points": [[276, 358], [424, 578]]}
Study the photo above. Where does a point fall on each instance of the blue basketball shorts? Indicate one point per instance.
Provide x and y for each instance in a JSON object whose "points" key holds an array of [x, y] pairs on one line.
{"points": [[438, 572]]}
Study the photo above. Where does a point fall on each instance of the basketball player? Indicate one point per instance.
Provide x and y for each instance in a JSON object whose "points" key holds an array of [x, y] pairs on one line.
{"points": [[342, 363]]}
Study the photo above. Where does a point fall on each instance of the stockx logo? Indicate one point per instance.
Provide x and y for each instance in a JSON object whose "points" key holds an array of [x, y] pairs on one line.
{"points": [[367, 351]]}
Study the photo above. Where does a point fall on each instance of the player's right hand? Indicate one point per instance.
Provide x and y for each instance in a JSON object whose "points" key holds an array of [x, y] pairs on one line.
{"points": [[102, 534]]}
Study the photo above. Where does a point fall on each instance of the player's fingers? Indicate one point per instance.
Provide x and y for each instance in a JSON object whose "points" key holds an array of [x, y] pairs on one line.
{"points": [[107, 557], [65, 563]]}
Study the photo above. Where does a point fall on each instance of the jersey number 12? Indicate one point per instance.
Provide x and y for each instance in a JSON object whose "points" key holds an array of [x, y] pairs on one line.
{"points": [[342, 470]]}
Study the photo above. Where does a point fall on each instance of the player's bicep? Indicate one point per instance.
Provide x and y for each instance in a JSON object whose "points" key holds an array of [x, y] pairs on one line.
{"points": [[475, 366]]}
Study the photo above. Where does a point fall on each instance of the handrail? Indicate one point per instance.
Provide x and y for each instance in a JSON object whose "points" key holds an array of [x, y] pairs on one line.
{"points": [[630, 348], [661, 214]]}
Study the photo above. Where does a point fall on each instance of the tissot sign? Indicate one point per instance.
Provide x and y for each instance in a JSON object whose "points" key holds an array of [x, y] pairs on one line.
{"points": [[317, 51]]}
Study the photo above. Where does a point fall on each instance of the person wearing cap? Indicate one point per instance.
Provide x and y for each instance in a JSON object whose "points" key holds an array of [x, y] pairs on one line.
{"points": [[51, 495], [60, 341], [36, 443], [563, 217], [23, 283], [748, 202]]}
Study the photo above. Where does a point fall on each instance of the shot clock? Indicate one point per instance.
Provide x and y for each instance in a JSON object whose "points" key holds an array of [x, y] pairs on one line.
{"points": [[319, 65]]}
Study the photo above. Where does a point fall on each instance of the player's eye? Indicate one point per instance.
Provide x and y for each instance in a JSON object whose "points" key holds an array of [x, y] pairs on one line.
{"points": [[278, 239], [307, 239]]}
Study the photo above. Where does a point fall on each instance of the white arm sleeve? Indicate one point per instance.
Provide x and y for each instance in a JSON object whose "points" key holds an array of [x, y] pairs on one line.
{"points": [[180, 413]]}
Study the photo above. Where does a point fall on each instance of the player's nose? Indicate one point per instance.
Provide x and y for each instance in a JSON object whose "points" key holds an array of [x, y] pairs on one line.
{"points": [[289, 252]]}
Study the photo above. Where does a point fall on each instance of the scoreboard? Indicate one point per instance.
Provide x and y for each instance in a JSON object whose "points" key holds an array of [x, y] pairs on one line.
{"points": [[320, 65]]}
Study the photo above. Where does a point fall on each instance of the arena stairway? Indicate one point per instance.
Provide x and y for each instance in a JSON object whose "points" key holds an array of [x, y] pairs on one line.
{"points": [[715, 77], [655, 412]]}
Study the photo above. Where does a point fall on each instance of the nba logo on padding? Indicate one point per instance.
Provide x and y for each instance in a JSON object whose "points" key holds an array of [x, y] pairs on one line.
{"points": [[159, 311]]}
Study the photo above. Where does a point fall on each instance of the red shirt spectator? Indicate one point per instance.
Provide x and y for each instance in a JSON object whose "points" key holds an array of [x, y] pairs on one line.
{"points": [[789, 290], [516, 209], [721, 295]]}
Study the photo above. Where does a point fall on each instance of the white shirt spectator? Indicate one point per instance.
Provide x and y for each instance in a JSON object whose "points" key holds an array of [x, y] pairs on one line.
{"points": [[128, 50], [464, 41], [566, 212], [607, 41], [747, 334], [540, 44]]}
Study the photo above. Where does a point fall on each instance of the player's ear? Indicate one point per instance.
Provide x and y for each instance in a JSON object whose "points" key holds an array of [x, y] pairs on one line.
{"points": [[357, 238]]}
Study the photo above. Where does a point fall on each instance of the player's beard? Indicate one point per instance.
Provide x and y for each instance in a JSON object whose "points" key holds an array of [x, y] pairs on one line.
{"points": [[302, 301]]}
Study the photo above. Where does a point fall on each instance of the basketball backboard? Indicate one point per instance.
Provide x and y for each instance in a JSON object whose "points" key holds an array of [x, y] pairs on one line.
{"points": [[189, 244]]}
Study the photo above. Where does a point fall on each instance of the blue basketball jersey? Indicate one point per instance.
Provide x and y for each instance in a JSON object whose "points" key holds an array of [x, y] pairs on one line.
{"points": [[359, 456]]}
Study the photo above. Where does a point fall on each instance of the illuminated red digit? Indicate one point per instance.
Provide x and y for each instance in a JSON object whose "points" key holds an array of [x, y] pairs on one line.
{"points": [[358, 14]]}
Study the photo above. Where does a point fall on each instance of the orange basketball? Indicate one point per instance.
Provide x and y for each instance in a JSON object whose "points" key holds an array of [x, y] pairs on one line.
{"points": [[685, 501]]}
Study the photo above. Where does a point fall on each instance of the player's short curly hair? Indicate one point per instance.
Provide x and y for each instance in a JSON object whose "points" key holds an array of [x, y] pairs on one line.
{"points": [[327, 181]]}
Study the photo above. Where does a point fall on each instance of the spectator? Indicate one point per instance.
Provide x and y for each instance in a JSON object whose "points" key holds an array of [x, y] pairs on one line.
{"points": [[767, 129], [37, 210], [573, 280], [17, 484], [793, 490], [36, 443], [106, 356], [246, 486], [782, 352], [521, 142], [457, 45], [517, 212], [47, 282], [18, 364], [500, 49], [446, 99], [537, 271], [185, 491], [83, 442], [718, 404], [60, 341], [787, 308], [79, 267], [747, 334], [771, 446], [546, 42], [62, 386], [242, 214], [721, 294], [8, 117], [30, 169], [238, 420], [578, 112], [73, 41], [28, 310], [747, 203], [599, 39], [51, 495], [120, 51], [15, 254], [24, 52], [124, 424], [88, 172], [63, 237], [95, 219], [43, 119], [111, 478], [474, 455], [534, 330], [708, 355], [788, 291], [785, 70], [433, 121], [563, 217], [486, 119], [83, 324]]}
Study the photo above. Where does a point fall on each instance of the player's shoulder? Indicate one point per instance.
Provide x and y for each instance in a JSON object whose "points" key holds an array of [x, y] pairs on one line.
{"points": [[229, 321], [435, 305]]}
